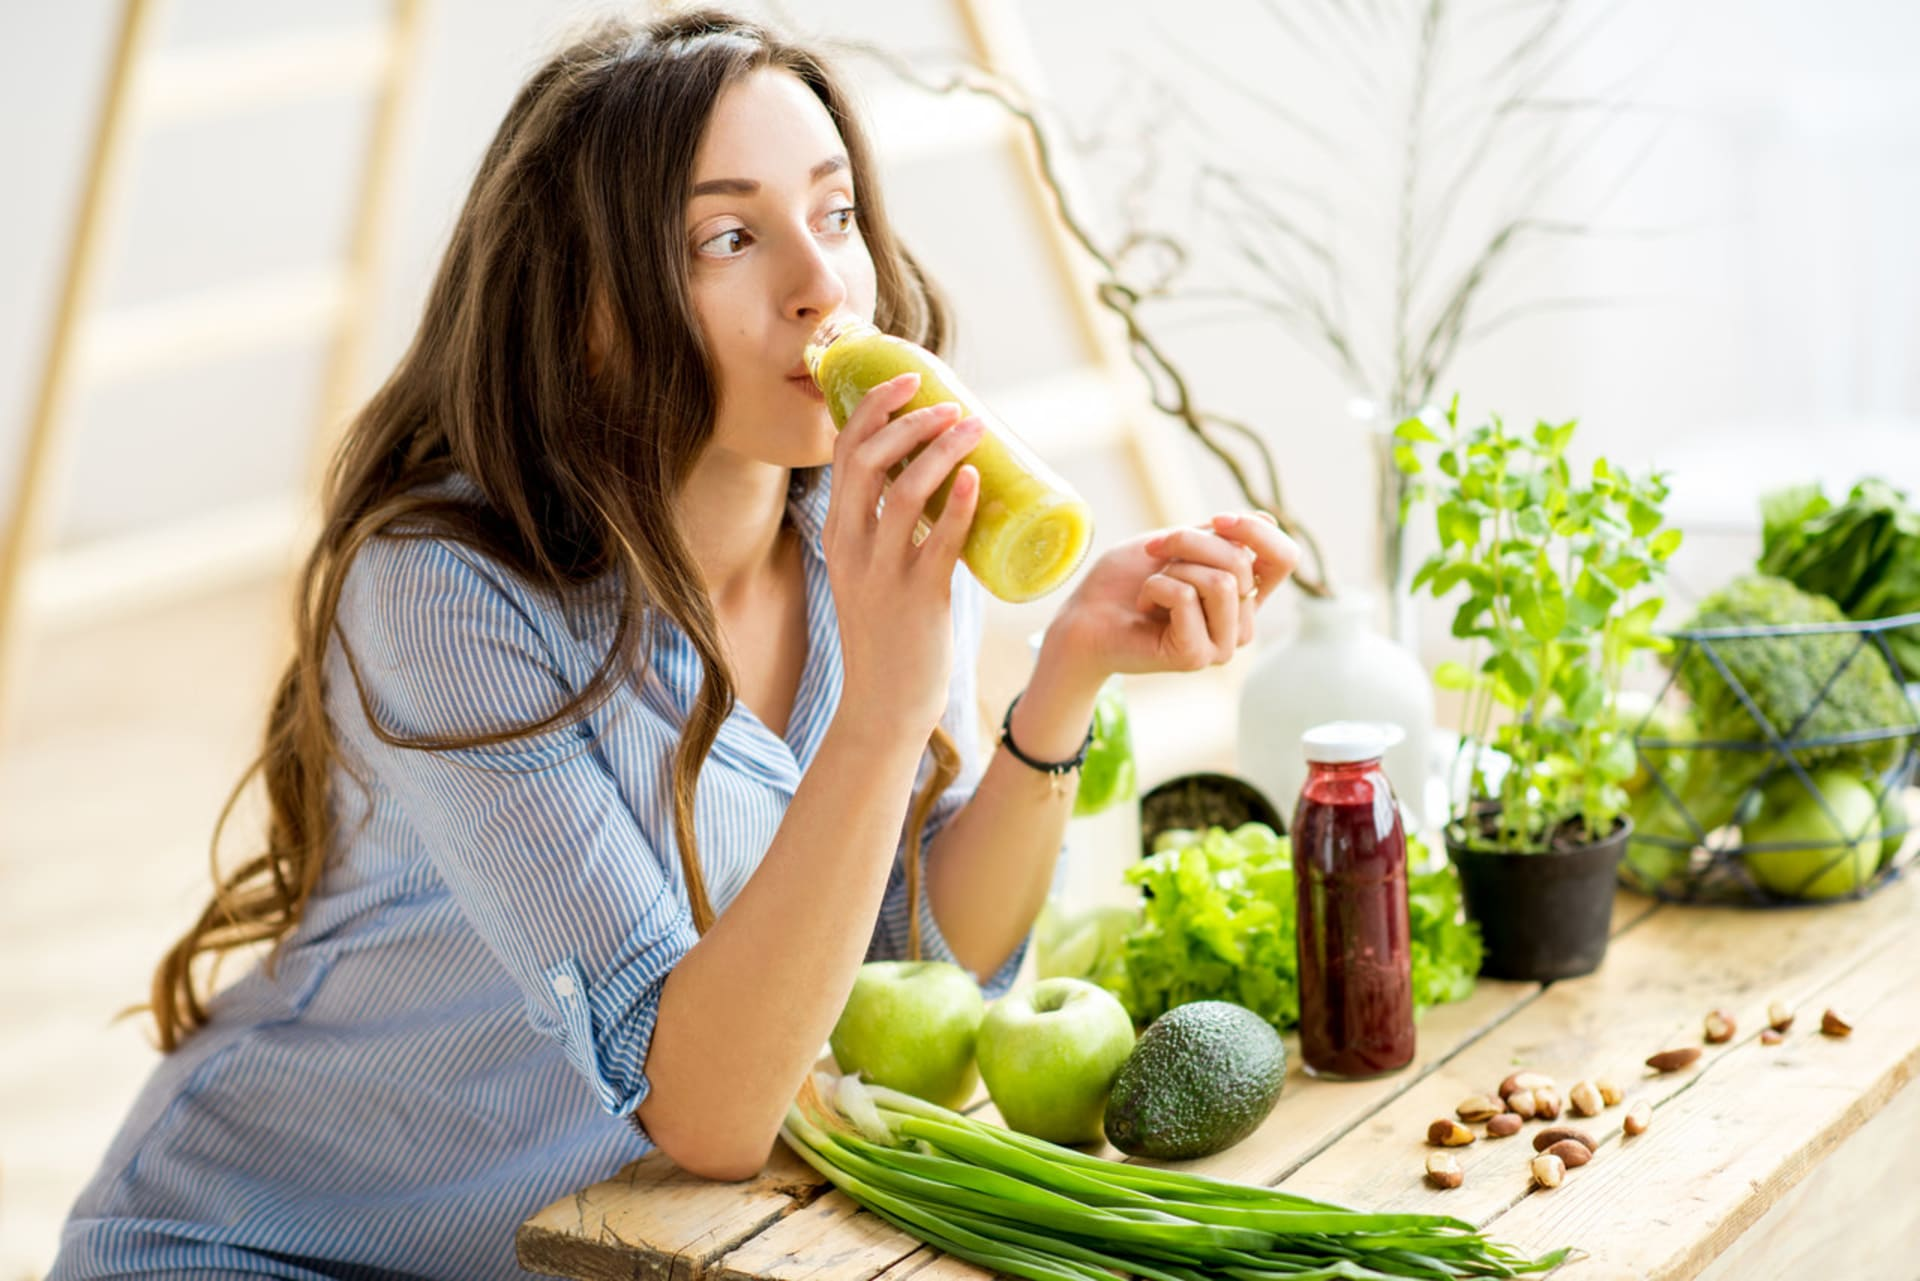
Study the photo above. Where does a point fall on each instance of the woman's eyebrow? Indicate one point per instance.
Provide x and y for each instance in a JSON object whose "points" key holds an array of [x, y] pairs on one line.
{"points": [[748, 187]]}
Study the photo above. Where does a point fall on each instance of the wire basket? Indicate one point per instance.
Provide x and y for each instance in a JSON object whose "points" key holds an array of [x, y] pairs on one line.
{"points": [[1813, 810]]}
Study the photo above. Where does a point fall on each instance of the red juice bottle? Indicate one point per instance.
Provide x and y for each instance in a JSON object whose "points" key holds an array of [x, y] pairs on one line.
{"points": [[1350, 887]]}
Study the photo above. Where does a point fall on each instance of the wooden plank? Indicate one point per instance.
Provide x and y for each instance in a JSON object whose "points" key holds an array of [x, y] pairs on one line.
{"points": [[342, 387], [1817, 1229], [832, 1238], [209, 324], [654, 1222], [227, 77], [1729, 1143], [1658, 983], [203, 552], [59, 375]]}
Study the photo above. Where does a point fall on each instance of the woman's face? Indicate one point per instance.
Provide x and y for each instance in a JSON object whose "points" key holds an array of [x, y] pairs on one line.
{"points": [[775, 250]]}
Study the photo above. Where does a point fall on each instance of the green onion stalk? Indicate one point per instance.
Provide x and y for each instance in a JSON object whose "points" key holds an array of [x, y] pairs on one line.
{"points": [[1028, 1208]]}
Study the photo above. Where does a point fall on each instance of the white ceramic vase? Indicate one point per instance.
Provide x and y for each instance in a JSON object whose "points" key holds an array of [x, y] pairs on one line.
{"points": [[1335, 667]]}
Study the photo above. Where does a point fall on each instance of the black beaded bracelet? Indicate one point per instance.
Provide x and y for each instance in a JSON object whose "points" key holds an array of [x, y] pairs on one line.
{"points": [[1056, 771]]}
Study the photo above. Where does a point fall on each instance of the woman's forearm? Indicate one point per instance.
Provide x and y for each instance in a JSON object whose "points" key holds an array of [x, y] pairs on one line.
{"points": [[989, 869], [744, 1013]]}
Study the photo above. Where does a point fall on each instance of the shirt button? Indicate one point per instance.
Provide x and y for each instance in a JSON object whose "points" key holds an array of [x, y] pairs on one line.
{"points": [[563, 987]]}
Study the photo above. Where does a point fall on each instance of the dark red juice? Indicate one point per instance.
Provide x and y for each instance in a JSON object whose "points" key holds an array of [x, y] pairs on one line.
{"points": [[1350, 885]]}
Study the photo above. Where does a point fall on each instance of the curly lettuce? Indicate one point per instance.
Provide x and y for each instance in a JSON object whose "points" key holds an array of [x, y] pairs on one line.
{"points": [[1217, 923]]}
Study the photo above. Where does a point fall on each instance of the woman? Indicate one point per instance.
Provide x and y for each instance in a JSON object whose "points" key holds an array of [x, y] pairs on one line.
{"points": [[588, 778]]}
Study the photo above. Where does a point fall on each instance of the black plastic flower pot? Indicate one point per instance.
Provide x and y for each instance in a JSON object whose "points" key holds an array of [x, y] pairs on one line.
{"points": [[1543, 916]]}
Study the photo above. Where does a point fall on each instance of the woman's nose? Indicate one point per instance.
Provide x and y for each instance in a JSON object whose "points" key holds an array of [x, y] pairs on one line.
{"points": [[817, 291]]}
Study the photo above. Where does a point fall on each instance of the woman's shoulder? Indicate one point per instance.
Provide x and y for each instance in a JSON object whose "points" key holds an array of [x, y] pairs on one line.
{"points": [[419, 575]]}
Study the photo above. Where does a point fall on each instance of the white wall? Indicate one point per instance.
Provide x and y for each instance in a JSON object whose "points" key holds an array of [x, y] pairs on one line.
{"points": [[1761, 252], [1779, 299]]}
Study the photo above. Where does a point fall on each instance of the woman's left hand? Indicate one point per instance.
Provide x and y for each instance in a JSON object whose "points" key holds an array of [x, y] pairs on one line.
{"points": [[1176, 600]]}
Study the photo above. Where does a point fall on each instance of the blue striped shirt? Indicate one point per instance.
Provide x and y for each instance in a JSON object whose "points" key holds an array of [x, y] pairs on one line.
{"points": [[453, 1030]]}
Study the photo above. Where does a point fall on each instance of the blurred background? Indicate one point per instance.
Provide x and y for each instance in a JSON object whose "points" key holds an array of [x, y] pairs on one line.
{"points": [[1687, 225]]}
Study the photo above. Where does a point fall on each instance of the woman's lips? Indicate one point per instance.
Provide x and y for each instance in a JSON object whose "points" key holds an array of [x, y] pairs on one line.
{"points": [[807, 387]]}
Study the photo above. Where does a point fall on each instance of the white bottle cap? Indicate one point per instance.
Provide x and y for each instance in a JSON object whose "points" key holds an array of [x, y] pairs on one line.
{"points": [[1344, 742]]}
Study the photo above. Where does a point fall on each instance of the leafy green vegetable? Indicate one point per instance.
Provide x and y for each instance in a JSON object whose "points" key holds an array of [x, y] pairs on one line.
{"points": [[1024, 1207], [1554, 576], [1107, 775], [1446, 945], [1784, 678], [1863, 554], [1218, 925]]}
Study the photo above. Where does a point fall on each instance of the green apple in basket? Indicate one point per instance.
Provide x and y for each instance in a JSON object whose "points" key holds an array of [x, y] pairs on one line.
{"points": [[1824, 850]]}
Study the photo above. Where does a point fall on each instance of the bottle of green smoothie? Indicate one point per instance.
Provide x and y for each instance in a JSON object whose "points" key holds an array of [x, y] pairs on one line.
{"points": [[1030, 530]]}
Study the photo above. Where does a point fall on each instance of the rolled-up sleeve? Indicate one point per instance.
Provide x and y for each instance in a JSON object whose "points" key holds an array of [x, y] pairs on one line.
{"points": [[532, 837], [962, 721]]}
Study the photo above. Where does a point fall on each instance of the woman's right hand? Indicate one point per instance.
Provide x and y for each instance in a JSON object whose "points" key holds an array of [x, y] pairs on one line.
{"points": [[894, 598]]}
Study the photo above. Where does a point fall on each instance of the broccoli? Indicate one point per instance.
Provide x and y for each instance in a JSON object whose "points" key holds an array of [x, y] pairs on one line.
{"points": [[1784, 676]]}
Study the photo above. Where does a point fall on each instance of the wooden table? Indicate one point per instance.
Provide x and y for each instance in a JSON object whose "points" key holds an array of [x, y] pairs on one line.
{"points": [[1796, 1160]]}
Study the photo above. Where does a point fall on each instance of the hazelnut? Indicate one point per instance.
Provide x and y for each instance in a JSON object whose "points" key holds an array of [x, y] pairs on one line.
{"points": [[1520, 1102], [1772, 1036], [1674, 1060], [1548, 1170], [1443, 1171], [1572, 1153], [1546, 1103], [1779, 1016], [1720, 1027], [1610, 1091], [1507, 1123], [1832, 1024], [1478, 1108], [1448, 1133], [1585, 1098], [1639, 1117], [1562, 1133]]}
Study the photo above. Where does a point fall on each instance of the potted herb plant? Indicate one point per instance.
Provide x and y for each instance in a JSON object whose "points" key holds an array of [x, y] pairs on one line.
{"points": [[1556, 578]]}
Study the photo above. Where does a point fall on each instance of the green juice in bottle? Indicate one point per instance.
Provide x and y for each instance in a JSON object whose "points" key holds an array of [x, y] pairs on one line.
{"points": [[1030, 530]]}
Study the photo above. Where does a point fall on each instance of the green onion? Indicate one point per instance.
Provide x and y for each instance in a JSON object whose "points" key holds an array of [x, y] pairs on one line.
{"points": [[1028, 1208]]}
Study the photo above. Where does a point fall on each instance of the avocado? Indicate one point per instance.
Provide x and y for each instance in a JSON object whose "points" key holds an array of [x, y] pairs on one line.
{"points": [[1201, 1078]]}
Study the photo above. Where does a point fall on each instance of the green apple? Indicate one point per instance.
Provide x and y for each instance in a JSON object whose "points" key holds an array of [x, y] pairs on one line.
{"points": [[910, 1026], [1085, 946], [1894, 823], [1049, 1054], [1816, 860]]}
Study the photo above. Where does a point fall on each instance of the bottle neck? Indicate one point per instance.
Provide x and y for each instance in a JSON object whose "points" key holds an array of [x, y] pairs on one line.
{"points": [[1343, 769], [830, 332]]}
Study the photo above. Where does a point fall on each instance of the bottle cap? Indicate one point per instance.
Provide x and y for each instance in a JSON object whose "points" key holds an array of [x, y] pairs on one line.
{"points": [[1344, 742]]}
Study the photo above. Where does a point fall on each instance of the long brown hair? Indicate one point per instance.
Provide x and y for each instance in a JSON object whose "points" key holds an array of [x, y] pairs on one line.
{"points": [[578, 203]]}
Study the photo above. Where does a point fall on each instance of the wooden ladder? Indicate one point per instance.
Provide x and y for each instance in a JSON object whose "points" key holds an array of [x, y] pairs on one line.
{"points": [[146, 88]]}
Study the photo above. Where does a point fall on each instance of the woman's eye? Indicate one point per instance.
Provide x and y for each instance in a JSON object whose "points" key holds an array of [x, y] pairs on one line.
{"points": [[841, 219], [727, 244]]}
